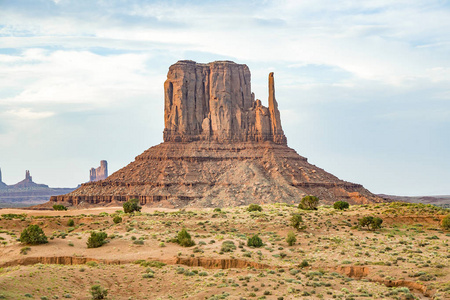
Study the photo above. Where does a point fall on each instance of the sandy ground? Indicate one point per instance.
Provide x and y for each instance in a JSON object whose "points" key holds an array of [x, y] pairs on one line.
{"points": [[410, 250]]}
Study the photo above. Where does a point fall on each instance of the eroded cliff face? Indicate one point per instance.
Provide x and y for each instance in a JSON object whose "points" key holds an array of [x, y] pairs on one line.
{"points": [[214, 102]]}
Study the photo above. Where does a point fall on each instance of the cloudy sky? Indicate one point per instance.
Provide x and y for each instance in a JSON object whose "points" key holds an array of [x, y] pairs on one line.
{"points": [[363, 86]]}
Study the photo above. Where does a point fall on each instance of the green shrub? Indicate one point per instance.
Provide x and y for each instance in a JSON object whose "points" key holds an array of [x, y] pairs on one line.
{"points": [[33, 235], [254, 207], [291, 239], [184, 238], [309, 202], [59, 207], [131, 205], [70, 223], [228, 246], [304, 264], [98, 292], [97, 239], [445, 223], [341, 205], [370, 222], [254, 241], [296, 221], [117, 220]]}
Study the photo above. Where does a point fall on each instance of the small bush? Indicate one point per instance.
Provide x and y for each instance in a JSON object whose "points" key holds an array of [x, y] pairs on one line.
{"points": [[291, 239], [309, 202], [117, 220], [33, 235], [254, 241], [296, 221], [304, 264], [98, 292], [254, 207], [445, 223], [372, 223], [25, 250], [184, 239], [70, 223], [341, 205], [97, 239], [228, 246], [59, 207], [131, 206]]}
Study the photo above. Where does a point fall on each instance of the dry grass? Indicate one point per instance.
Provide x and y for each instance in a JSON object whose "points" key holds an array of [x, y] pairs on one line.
{"points": [[410, 247]]}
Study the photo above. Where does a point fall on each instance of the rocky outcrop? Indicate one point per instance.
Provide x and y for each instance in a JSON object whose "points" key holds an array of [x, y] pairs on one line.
{"points": [[204, 262], [208, 174], [28, 182], [26, 193], [99, 173], [214, 102], [2, 184], [221, 148]]}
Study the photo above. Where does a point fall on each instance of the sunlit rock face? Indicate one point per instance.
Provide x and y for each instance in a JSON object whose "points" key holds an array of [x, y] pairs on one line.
{"points": [[214, 102], [221, 147]]}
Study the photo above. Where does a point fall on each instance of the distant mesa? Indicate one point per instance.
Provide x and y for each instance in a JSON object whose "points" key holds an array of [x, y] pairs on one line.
{"points": [[27, 192], [222, 147], [28, 182], [99, 173]]}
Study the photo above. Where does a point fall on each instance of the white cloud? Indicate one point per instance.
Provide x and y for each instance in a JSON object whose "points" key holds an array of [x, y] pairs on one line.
{"points": [[74, 77], [28, 114]]}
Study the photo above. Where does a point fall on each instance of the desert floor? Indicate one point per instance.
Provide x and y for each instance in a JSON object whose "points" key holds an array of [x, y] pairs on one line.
{"points": [[408, 258]]}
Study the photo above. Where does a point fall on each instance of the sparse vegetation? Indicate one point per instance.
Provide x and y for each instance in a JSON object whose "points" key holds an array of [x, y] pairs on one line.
{"points": [[254, 207], [445, 223], [131, 206], [372, 223], [296, 221], [59, 207], [254, 241], [184, 238], [411, 247], [309, 203], [117, 219], [97, 239], [70, 222], [291, 239], [33, 235], [98, 292], [228, 246], [341, 205]]}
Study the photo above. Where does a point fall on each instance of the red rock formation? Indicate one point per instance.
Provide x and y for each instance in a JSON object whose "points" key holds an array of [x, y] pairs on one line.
{"points": [[100, 173], [214, 102], [28, 182], [221, 148]]}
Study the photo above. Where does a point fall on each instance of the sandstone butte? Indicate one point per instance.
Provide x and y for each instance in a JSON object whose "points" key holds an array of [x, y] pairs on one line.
{"points": [[221, 147]]}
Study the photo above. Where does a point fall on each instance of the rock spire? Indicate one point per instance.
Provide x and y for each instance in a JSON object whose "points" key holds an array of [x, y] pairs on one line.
{"points": [[100, 173], [2, 184], [214, 102]]}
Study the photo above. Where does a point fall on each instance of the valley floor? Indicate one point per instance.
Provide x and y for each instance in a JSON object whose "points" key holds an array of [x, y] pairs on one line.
{"points": [[408, 258]]}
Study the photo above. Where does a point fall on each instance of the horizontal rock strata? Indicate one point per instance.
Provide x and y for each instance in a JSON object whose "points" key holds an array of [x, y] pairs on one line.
{"points": [[206, 173]]}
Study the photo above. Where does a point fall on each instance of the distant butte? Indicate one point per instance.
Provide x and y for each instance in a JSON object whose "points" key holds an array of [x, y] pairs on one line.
{"points": [[28, 182], [99, 173], [221, 147]]}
